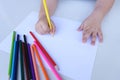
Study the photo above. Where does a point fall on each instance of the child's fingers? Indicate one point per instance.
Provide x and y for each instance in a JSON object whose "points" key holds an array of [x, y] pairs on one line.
{"points": [[45, 28], [38, 29], [42, 28], [81, 27], [53, 28], [100, 35], [86, 35], [94, 35]]}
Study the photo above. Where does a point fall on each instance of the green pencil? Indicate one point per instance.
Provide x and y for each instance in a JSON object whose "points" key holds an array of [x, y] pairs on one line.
{"points": [[11, 55], [21, 61]]}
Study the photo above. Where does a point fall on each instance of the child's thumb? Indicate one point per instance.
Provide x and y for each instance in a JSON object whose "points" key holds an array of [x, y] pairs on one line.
{"points": [[52, 31]]}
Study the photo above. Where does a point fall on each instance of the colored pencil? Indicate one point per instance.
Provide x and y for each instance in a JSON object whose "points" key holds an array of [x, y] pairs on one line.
{"points": [[40, 62], [44, 51], [15, 61], [21, 61], [47, 14], [11, 54], [31, 63], [49, 64], [25, 61], [27, 57], [35, 64]]}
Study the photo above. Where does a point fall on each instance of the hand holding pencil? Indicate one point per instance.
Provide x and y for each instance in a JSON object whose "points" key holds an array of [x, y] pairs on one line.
{"points": [[42, 26], [45, 25]]}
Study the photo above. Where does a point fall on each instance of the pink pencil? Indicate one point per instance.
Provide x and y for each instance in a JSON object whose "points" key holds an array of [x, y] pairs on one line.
{"points": [[34, 63], [49, 64]]}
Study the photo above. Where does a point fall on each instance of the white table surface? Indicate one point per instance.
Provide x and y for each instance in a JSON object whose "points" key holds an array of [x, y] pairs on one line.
{"points": [[107, 62]]}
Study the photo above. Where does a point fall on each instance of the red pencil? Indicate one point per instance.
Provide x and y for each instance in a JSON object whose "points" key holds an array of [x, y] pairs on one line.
{"points": [[44, 51]]}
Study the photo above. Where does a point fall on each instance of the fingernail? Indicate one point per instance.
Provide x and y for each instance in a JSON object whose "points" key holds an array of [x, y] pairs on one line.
{"points": [[78, 29], [93, 43], [84, 41], [101, 40]]}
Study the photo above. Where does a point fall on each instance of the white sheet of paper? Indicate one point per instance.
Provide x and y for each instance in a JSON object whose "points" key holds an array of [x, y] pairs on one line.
{"points": [[74, 58]]}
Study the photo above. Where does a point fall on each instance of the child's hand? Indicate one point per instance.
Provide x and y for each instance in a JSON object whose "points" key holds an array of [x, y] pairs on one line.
{"points": [[42, 26], [91, 28]]}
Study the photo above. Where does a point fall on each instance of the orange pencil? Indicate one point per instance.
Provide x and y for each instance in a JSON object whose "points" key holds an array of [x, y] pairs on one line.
{"points": [[34, 64], [40, 62]]}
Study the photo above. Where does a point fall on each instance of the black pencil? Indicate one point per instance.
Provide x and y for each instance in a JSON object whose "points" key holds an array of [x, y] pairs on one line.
{"points": [[27, 57], [25, 61]]}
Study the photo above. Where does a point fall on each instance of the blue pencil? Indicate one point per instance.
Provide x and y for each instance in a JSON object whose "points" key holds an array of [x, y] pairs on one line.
{"points": [[15, 60]]}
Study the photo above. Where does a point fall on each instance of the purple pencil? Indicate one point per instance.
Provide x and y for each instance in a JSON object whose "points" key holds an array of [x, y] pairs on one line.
{"points": [[31, 63]]}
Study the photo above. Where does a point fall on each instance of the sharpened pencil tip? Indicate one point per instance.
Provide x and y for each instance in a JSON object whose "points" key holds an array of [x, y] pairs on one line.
{"points": [[57, 68], [52, 34]]}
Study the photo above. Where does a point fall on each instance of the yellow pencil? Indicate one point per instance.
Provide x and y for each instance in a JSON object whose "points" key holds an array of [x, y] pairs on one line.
{"points": [[47, 14]]}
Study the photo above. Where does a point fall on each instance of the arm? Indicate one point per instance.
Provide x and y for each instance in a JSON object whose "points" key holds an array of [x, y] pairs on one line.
{"points": [[102, 7], [51, 4], [42, 24]]}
